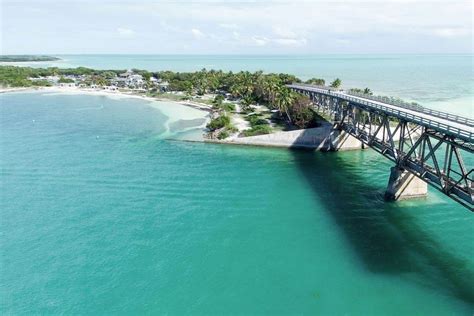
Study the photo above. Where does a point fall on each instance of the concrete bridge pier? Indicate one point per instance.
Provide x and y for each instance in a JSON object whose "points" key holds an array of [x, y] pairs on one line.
{"points": [[404, 185], [341, 140]]}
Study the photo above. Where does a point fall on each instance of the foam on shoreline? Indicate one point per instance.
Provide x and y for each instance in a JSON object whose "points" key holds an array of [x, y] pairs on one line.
{"points": [[186, 117], [180, 114]]}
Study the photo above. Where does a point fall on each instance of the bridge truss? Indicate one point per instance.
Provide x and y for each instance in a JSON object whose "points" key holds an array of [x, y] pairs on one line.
{"points": [[431, 150]]}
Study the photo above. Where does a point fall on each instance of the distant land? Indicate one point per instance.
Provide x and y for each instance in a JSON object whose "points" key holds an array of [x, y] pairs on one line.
{"points": [[26, 58]]}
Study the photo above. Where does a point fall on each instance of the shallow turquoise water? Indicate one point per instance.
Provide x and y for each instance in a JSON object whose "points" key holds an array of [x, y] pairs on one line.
{"points": [[441, 81], [102, 215]]}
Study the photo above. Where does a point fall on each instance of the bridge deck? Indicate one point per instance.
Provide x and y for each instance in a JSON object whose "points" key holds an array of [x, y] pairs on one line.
{"points": [[457, 129]]}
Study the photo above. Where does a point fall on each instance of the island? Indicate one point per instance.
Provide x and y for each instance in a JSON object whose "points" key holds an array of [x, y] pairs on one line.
{"points": [[241, 104], [27, 58]]}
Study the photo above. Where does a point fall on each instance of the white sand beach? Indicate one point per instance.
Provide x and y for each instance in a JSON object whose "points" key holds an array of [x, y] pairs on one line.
{"points": [[185, 116], [5, 90], [108, 93], [182, 116]]}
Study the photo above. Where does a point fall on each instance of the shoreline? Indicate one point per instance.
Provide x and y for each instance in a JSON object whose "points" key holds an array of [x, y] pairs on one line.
{"points": [[174, 110], [119, 94], [307, 139]]}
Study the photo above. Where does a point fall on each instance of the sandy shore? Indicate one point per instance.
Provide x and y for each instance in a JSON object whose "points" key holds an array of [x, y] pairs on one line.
{"points": [[5, 90], [109, 93], [316, 138], [182, 115]]}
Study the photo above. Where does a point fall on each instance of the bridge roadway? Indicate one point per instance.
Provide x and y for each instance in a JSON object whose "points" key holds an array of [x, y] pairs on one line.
{"points": [[448, 124], [430, 147]]}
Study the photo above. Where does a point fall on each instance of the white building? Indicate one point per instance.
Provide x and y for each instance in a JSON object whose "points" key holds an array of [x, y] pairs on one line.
{"points": [[135, 81]]}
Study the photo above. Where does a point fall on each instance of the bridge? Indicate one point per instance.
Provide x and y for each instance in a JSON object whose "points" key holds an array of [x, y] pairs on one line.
{"points": [[426, 146]]}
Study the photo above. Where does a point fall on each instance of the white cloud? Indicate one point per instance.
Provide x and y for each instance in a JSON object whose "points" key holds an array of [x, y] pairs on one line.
{"points": [[168, 28], [342, 41], [296, 42], [236, 35], [124, 32], [451, 32], [197, 34], [260, 40], [276, 26], [284, 32], [230, 26]]}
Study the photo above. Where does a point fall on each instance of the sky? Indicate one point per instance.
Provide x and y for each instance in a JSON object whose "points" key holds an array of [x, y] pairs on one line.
{"points": [[235, 27]]}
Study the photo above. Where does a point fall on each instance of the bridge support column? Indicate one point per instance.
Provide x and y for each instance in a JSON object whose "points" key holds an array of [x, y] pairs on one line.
{"points": [[341, 140], [404, 185]]}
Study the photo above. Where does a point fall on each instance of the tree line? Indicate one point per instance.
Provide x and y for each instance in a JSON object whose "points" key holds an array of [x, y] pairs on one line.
{"points": [[268, 89]]}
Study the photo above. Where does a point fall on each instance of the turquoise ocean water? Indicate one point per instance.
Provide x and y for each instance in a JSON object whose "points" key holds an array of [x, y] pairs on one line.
{"points": [[104, 211]]}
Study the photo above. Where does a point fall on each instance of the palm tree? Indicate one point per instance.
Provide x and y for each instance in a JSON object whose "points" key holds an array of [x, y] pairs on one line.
{"points": [[236, 89], [270, 88], [336, 83], [284, 101], [246, 102], [246, 82], [100, 81], [188, 88], [367, 91], [200, 81], [243, 85]]}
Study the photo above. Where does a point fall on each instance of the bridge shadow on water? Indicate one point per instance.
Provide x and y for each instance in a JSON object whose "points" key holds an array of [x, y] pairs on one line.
{"points": [[389, 238]]}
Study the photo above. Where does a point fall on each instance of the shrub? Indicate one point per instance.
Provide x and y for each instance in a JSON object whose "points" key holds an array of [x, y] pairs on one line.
{"points": [[218, 99], [255, 120], [65, 80], [258, 130], [232, 129], [41, 83], [218, 122], [223, 134], [316, 81], [227, 106]]}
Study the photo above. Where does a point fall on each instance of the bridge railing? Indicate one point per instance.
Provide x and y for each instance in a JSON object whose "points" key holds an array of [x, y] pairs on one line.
{"points": [[416, 107], [326, 88], [466, 135], [388, 100], [455, 131]]}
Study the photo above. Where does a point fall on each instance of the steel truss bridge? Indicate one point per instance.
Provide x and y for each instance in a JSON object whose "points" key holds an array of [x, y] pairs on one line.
{"points": [[432, 145]]}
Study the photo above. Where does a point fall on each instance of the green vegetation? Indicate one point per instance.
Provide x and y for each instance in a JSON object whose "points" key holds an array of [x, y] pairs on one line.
{"points": [[256, 120], [41, 83], [26, 58], [226, 132], [366, 91], [65, 80], [336, 83], [258, 124], [244, 87], [258, 130], [220, 127], [218, 122], [302, 113], [218, 104], [316, 81], [11, 76], [223, 135], [221, 90]]}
